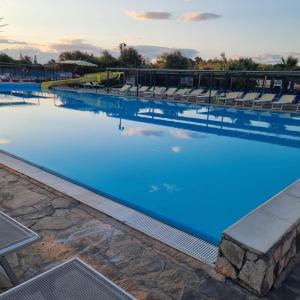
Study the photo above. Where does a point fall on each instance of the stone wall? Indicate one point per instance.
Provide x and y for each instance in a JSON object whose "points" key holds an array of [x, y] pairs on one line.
{"points": [[260, 250], [258, 272]]}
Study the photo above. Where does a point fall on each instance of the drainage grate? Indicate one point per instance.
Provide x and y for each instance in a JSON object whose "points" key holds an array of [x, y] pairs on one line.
{"points": [[169, 235], [71, 280], [175, 238]]}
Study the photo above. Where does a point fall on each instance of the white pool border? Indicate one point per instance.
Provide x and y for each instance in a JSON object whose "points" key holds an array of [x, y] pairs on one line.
{"points": [[173, 237]]}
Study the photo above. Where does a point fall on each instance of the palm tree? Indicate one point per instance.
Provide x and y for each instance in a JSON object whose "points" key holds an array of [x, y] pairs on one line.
{"points": [[291, 63]]}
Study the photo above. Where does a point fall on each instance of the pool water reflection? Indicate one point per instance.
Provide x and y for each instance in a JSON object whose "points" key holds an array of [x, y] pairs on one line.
{"points": [[198, 168]]}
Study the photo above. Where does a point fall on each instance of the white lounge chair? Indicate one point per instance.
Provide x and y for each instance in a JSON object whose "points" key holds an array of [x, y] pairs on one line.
{"points": [[248, 98], [142, 90], [193, 94], [207, 95], [181, 92], [157, 91], [264, 99], [284, 99], [122, 90], [231, 96], [170, 92]]}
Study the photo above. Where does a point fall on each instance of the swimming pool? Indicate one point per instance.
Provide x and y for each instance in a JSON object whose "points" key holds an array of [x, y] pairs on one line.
{"points": [[197, 168]]}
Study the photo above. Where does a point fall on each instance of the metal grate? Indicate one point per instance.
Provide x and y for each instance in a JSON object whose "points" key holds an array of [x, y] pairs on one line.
{"points": [[73, 280], [169, 235], [13, 235], [175, 238]]}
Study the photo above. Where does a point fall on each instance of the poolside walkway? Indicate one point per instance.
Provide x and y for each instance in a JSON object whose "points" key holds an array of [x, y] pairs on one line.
{"points": [[142, 266]]}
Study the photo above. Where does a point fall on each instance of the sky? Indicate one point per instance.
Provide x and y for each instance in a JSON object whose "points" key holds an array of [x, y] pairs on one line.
{"points": [[263, 29]]}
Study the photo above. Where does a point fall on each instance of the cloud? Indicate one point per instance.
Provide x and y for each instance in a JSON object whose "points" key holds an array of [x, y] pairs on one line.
{"points": [[4, 141], [142, 132], [75, 44], [182, 134], [148, 15], [154, 51], [170, 188], [195, 16], [176, 149], [12, 42], [154, 188], [273, 58]]}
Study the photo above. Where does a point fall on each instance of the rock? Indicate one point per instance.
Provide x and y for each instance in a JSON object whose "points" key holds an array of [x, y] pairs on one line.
{"points": [[251, 256], [47, 211], [13, 260], [288, 242], [290, 255], [61, 213], [269, 281], [4, 281], [23, 198], [224, 267], [277, 254], [233, 253], [23, 211], [61, 203], [54, 223], [253, 273]]}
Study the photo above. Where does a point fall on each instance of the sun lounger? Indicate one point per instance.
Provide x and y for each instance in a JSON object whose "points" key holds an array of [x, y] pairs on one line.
{"points": [[72, 280], [207, 95], [284, 99], [93, 85], [180, 93], [119, 91], [248, 98], [170, 92], [13, 237], [231, 96], [193, 94], [158, 91], [264, 99], [133, 89]]}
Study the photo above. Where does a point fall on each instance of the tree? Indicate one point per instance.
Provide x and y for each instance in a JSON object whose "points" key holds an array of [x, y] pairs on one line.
{"points": [[107, 60], [4, 58], [289, 64], [243, 64], [25, 59], [51, 62], [78, 55], [173, 60], [130, 58]]}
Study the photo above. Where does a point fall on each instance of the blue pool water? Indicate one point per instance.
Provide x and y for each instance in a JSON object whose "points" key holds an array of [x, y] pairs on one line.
{"points": [[197, 168]]}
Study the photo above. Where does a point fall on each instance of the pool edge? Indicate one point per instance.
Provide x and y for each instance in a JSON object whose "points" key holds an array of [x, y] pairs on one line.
{"points": [[171, 236]]}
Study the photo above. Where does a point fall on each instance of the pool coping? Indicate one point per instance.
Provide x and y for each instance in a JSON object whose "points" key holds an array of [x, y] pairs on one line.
{"points": [[171, 236]]}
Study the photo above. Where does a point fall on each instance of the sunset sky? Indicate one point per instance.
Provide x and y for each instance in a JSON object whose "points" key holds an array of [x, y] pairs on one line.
{"points": [[265, 29]]}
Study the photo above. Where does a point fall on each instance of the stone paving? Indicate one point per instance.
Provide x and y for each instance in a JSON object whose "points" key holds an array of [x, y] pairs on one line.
{"points": [[142, 266]]}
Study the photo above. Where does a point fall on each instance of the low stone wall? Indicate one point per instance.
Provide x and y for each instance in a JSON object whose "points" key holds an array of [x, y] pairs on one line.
{"points": [[259, 251]]}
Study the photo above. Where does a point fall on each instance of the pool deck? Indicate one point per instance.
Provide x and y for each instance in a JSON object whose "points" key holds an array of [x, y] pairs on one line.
{"points": [[141, 265]]}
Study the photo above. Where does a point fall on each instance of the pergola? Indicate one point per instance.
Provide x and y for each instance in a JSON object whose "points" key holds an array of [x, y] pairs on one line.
{"points": [[211, 79]]}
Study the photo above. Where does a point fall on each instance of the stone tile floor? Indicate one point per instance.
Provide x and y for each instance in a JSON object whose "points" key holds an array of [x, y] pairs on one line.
{"points": [[139, 264]]}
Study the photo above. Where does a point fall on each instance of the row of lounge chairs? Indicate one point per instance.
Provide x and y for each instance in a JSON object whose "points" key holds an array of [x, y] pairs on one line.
{"points": [[253, 99]]}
